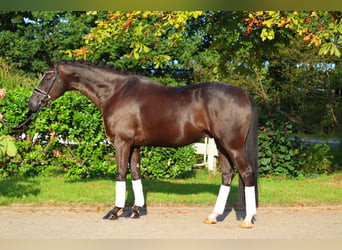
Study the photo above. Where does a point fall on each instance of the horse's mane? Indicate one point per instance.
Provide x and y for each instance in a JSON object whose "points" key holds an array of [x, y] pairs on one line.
{"points": [[97, 65]]}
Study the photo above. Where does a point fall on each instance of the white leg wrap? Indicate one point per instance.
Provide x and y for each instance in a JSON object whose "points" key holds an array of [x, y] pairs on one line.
{"points": [[138, 193], [221, 199], [120, 195], [250, 203]]}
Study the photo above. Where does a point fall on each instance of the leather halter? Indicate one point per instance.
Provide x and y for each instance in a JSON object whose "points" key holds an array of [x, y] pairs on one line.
{"points": [[42, 92]]}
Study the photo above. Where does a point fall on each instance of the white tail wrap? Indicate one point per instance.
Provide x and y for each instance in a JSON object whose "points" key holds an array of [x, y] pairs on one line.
{"points": [[120, 195], [138, 193]]}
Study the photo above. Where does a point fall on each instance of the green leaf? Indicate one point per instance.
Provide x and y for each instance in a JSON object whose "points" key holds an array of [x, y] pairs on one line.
{"points": [[337, 52], [7, 146], [136, 54], [268, 23], [264, 34], [283, 149], [146, 49], [265, 161], [11, 148], [325, 49]]}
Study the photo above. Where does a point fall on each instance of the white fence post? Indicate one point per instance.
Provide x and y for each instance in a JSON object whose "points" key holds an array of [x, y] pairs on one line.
{"points": [[209, 151], [212, 154]]}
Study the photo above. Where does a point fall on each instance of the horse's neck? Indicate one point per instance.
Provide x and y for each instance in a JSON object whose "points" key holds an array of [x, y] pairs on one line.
{"points": [[98, 88]]}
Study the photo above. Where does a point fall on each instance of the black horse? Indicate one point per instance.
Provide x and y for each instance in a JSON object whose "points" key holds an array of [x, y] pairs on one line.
{"points": [[138, 111]]}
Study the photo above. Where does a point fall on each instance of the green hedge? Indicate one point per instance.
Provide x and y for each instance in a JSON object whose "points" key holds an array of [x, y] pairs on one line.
{"points": [[74, 118], [280, 156]]}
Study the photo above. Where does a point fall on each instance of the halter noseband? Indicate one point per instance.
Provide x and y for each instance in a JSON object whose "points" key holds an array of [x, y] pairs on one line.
{"points": [[46, 94]]}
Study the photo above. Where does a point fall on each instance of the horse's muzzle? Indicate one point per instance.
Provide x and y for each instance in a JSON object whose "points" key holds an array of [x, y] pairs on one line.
{"points": [[35, 104]]}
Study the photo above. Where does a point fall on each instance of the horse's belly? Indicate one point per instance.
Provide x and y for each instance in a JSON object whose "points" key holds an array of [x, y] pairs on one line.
{"points": [[171, 136]]}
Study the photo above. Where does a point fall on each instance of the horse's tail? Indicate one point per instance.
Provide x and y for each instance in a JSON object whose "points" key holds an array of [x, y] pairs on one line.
{"points": [[251, 147]]}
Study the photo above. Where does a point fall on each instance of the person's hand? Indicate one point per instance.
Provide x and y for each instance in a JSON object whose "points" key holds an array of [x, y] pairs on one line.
{"points": [[2, 93]]}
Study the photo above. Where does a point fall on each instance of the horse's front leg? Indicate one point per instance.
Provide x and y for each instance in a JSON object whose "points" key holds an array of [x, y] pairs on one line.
{"points": [[122, 150], [139, 199]]}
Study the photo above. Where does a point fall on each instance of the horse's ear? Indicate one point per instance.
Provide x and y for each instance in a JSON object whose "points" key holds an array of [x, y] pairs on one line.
{"points": [[49, 62]]}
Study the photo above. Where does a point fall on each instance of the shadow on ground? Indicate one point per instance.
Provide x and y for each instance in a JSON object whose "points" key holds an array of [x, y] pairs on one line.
{"points": [[18, 188], [168, 187]]}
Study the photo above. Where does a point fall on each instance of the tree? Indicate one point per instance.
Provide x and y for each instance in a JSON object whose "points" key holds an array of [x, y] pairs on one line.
{"points": [[282, 71], [27, 37], [143, 41], [242, 59], [320, 28]]}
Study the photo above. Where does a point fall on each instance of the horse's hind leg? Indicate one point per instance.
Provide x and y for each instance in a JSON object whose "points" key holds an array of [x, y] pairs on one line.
{"points": [[227, 177], [248, 177], [139, 200]]}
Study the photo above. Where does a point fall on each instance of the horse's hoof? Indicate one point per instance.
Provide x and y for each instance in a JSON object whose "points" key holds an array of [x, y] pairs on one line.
{"points": [[246, 225], [134, 213], [210, 221], [112, 214]]}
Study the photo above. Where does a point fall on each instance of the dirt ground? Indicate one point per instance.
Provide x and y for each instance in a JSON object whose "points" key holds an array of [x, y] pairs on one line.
{"points": [[169, 223]]}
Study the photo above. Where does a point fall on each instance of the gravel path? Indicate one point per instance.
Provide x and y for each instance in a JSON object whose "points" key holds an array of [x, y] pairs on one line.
{"points": [[169, 223]]}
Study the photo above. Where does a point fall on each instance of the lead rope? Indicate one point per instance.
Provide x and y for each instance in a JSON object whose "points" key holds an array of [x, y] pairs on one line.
{"points": [[20, 127]]}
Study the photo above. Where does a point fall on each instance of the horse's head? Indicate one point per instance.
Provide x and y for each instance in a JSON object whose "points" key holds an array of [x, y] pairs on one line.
{"points": [[49, 88]]}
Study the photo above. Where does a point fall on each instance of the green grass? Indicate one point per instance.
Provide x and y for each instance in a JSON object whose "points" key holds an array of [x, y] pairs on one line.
{"points": [[200, 189], [11, 81], [320, 190]]}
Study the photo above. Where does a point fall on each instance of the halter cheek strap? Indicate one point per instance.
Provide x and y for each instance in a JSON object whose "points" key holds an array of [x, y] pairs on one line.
{"points": [[46, 94]]}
